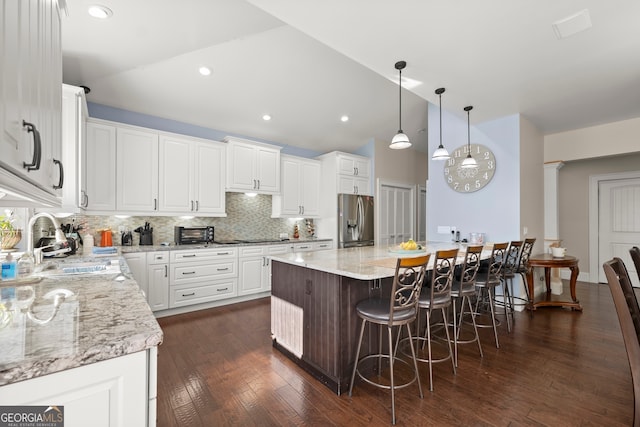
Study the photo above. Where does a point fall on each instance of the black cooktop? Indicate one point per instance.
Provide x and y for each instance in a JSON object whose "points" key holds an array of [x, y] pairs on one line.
{"points": [[238, 241]]}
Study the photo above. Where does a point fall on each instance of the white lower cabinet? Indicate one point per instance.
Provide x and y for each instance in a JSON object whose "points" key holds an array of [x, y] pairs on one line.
{"points": [[118, 392], [254, 272], [137, 262], [158, 280], [202, 275]]}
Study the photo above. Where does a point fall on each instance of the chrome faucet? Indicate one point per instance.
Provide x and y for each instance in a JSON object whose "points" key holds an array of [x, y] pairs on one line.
{"points": [[61, 239]]}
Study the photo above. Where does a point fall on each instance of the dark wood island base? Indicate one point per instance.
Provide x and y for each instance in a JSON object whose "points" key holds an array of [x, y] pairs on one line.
{"points": [[330, 322]]}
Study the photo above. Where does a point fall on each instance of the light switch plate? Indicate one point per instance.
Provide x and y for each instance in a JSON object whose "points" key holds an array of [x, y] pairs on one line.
{"points": [[444, 229]]}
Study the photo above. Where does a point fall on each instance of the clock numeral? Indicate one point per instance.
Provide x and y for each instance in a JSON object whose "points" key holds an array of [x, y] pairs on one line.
{"points": [[449, 178], [451, 161], [485, 175], [478, 185], [456, 185], [467, 187], [446, 171], [490, 164], [458, 153], [487, 156]]}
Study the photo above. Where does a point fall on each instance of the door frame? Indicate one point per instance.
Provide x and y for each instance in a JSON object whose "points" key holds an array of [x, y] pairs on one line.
{"points": [[594, 216], [380, 182]]}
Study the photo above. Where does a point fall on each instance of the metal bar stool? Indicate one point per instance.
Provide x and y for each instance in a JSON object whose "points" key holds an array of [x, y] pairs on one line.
{"points": [[488, 278], [437, 297], [397, 310], [463, 289], [509, 271]]}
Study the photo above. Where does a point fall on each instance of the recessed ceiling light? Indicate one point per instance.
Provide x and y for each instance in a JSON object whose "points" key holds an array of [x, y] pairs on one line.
{"points": [[266, 117], [344, 118], [205, 71], [99, 11]]}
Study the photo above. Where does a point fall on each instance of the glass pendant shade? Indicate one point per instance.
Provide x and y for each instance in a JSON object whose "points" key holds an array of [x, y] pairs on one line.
{"points": [[441, 153], [469, 162], [400, 141]]}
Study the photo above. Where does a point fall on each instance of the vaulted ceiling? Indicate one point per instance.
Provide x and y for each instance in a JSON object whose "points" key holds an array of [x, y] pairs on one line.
{"points": [[307, 63]]}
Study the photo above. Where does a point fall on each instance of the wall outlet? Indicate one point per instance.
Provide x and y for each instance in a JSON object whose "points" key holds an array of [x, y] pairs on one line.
{"points": [[444, 229], [284, 236], [525, 230]]}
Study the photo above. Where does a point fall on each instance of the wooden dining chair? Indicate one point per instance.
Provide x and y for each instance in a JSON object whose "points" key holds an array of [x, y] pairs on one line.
{"points": [[629, 316]]}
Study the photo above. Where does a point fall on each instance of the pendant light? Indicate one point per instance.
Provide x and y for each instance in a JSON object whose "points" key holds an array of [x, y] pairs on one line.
{"points": [[441, 153], [469, 162], [401, 140]]}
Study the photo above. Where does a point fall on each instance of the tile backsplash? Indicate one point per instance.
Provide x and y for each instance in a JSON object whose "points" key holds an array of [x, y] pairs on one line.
{"points": [[247, 218]]}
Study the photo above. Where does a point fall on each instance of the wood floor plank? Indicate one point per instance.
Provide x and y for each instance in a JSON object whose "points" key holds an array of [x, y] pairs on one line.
{"points": [[217, 367]]}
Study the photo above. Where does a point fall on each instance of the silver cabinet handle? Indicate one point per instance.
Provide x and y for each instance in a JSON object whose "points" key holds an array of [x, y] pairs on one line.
{"points": [[222, 289], [189, 256], [197, 205], [303, 210], [166, 269], [84, 200], [61, 179], [223, 253], [254, 184], [223, 269], [188, 272], [192, 206], [258, 184], [155, 204], [189, 295]]}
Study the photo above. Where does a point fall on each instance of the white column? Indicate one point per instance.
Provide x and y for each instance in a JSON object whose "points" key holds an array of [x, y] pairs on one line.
{"points": [[551, 227]]}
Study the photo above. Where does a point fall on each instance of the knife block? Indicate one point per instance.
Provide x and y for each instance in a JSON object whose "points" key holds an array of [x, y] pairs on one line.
{"points": [[146, 238]]}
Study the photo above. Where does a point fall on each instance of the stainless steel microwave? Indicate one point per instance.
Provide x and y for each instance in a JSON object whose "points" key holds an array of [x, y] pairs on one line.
{"points": [[193, 235]]}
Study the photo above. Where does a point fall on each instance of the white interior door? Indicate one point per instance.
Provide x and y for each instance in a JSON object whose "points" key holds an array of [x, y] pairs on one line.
{"points": [[619, 223], [396, 207]]}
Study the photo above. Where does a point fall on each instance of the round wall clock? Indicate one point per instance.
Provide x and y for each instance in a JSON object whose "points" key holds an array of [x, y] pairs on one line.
{"points": [[469, 180]]}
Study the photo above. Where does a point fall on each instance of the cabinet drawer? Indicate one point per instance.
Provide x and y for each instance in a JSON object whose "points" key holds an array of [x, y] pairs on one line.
{"points": [[184, 295], [302, 247], [320, 246], [277, 249], [252, 251], [188, 273], [202, 255], [157, 257]]}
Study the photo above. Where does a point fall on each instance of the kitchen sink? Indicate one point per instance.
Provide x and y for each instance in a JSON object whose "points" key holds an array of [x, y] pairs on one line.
{"points": [[55, 269]]}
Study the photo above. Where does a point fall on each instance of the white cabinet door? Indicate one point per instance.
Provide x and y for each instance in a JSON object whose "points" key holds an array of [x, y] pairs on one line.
{"points": [[353, 165], [209, 170], [251, 275], [268, 170], [310, 188], [101, 167], [252, 167], [241, 167], [158, 295], [176, 175], [396, 207], [290, 204], [354, 185], [110, 393], [300, 189], [74, 147], [31, 88], [137, 262], [137, 170]]}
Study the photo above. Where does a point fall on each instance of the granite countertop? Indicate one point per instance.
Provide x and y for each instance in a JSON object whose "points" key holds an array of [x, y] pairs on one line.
{"points": [[364, 263], [239, 242], [99, 315]]}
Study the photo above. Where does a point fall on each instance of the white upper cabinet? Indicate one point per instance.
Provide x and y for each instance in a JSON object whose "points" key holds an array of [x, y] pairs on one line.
{"points": [[252, 166], [101, 167], [30, 106], [191, 176], [300, 188], [137, 170], [74, 148], [349, 164]]}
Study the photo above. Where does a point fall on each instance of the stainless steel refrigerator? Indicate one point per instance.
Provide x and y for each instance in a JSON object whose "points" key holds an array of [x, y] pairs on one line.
{"points": [[355, 220]]}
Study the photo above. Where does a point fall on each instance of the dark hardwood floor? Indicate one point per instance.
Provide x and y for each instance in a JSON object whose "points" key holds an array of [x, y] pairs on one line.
{"points": [[559, 368]]}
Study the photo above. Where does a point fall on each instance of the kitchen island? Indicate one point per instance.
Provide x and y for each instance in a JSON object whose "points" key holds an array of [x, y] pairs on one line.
{"points": [[80, 335], [314, 294]]}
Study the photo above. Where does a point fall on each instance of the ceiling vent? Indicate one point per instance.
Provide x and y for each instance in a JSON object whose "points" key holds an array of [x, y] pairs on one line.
{"points": [[572, 24]]}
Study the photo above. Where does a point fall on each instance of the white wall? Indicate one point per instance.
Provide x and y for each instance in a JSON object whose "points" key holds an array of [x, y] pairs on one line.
{"points": [[596, 141], [495, 209]]}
